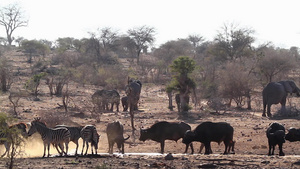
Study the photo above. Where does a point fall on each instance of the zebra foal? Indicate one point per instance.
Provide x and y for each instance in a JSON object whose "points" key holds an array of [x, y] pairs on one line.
{"points": [[89, 134], [57, 136]]}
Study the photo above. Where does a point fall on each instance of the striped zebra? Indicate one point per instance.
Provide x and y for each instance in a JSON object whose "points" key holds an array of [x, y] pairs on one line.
{"points": [[7, 132], [75, 134], [89, 134], [57, 136]]}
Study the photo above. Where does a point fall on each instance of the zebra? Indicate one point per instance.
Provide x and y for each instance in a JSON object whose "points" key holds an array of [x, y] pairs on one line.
{"points": [[7, 132], [56, 136], [89, 134], [75, 134], [101, 99]]}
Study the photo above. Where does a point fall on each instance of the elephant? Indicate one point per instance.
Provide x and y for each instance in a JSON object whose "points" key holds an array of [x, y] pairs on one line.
{"points": [[276, 92], [133, 91]]}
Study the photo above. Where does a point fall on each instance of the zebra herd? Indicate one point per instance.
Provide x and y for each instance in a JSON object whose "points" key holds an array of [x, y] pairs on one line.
{"points": [[59, 137]]}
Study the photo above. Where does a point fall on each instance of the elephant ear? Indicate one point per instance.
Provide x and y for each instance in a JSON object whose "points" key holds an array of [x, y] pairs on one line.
{"points": [[288, 86]]}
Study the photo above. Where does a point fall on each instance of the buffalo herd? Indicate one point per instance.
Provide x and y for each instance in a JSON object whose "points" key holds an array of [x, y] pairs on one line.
{"points": [[208, 132]]}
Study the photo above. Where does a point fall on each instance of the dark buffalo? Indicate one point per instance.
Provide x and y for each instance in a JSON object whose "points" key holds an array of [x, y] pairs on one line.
{"points": [[275, 134], [293, 135], [207, 132], [114, 133], [162, 131]]}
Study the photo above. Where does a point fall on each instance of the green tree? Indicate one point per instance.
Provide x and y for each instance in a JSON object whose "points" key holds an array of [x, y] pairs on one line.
{"points": [[34, 48], [168, 51], [33, 83], [11, 17], [182, 67]]}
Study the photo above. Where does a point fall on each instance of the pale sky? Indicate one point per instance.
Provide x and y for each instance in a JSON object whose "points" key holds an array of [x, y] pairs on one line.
{"points": [[273, 20]]}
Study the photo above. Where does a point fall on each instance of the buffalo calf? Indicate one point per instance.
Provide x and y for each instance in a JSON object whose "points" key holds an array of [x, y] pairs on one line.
{"points": [[162, 131], [207, 132], [275, 134], [114, 133]]}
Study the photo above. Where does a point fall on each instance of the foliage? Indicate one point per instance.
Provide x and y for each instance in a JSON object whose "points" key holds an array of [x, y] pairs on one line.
{"points": [[182, 67], [33, 83], [6, 76], [34, 48], [236, 83], [275, 62], [233, 42], [64, 44], [15, 138], [143, 37], [57, 81], [110, 77]]}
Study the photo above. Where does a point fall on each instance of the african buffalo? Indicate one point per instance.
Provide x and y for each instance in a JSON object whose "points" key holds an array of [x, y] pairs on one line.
{"points": [[163, 130], [275, 134], [293, 135], [207, 132], [114, 133]]}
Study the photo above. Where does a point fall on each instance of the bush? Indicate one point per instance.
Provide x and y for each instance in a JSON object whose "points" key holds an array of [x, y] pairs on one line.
{"points": [[111, 77]]}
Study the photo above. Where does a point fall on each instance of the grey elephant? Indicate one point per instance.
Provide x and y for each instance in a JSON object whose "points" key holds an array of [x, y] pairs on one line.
{"points": [[276, 92]]}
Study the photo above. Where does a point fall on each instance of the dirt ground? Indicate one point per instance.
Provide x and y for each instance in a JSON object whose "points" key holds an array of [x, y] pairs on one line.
{"points": [[251, 147]]}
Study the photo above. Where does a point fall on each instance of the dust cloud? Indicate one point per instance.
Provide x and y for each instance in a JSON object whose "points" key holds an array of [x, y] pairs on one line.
{"points": [[34, 147]]}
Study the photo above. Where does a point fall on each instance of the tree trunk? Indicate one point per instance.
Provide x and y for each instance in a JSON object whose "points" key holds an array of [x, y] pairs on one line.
{"points": [[170, 94], [183, 102], [249, 102]]}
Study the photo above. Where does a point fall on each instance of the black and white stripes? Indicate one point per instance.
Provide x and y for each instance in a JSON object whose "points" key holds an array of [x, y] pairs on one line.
{"points": [[58, 136], [89, 134]]}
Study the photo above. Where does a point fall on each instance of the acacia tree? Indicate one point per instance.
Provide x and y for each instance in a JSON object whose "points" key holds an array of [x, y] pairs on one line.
{"points": [[195, 40], [108, 38], [11, 18], [275, 62], [168, 51], [233, 43], [34, 48], [143, 37], [182, 67]]}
